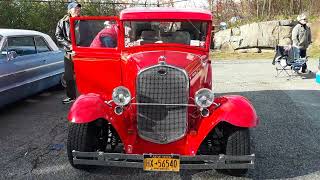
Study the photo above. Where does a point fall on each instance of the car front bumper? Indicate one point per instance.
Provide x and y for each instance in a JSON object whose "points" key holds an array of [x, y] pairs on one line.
{"points": [[186, 162]]}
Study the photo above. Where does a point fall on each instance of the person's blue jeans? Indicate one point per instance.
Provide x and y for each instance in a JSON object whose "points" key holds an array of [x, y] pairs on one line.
{"points": [[300, 53]]}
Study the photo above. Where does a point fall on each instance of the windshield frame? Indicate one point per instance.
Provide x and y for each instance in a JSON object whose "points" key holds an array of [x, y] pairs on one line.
{"points": [[205, 48]]}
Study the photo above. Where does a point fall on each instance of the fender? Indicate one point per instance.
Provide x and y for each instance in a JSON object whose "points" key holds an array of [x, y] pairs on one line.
{"points": [[236, 110], [90, 107], [87, 108]]}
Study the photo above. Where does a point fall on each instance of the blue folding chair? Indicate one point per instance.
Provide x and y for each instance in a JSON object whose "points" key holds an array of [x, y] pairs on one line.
{"points": [[287, 60]]}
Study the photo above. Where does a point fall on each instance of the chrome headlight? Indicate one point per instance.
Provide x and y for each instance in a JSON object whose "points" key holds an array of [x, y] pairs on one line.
{"points": [[204, 98], [121, 96]]}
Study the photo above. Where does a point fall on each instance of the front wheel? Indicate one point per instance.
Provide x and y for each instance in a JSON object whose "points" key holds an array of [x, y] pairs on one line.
{"points": [[238, 144], [83, 138]]}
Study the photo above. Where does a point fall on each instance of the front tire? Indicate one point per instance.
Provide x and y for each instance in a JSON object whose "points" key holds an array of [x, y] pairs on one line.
{"points": [[238, 144], [83, 138]]}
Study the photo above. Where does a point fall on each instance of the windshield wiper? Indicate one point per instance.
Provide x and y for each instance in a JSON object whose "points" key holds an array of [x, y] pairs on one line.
{"points": [[194, 26]]}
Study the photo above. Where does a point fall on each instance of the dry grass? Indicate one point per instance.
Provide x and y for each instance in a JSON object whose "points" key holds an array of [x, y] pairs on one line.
{"points": [[216, 55]]}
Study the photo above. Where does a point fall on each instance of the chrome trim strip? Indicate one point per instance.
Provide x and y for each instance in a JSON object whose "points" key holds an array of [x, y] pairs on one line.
{"points": [[188, 88], [165, 65], [30, 81], [158, 104], [30, 69]]}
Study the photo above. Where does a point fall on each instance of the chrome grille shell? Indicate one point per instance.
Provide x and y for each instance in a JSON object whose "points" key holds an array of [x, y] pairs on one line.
{"points": [[162, 92]]}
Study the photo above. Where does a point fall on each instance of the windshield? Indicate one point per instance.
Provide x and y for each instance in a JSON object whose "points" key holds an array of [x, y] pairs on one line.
{"points": [[191, 33]]}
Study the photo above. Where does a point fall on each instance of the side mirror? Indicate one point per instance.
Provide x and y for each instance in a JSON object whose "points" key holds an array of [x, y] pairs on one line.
{"points": [[10, 54]]}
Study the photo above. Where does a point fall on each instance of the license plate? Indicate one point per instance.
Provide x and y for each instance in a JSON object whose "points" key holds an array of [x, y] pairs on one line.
{"points": [[156, 162]]}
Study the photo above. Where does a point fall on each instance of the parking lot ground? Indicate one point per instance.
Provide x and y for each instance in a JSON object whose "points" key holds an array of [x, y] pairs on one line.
{"points": [[33, 132]]}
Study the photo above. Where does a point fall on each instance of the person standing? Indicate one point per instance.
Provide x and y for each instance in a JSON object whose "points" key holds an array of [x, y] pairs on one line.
{"points": [[63, 37], [301, 38]]}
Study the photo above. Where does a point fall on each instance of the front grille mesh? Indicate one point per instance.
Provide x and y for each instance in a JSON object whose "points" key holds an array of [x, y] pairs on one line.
{"points": [[162, 85]]}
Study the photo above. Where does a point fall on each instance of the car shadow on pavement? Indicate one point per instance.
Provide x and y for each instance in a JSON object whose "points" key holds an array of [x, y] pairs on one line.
{"points": [[310, 75], [287, 140], [31, 99]]}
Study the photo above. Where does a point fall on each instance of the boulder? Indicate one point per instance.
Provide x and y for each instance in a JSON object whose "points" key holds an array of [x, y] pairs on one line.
{"points": [[222, 37], [267, 50], [250, 50], [226, 47], [265, 34], [285, 42], [235, 32], [249, 34], [287, 23], [256, 35], [285, 32]]}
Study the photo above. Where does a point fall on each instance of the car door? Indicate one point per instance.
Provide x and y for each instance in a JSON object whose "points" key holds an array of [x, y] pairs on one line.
{"points": [[25, 67], [20, 71], [96, 44], [53, 60]]}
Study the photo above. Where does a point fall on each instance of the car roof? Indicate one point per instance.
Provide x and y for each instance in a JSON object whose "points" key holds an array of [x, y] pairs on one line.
{"points": [[23, 32], [165, 13], [15, 32]]}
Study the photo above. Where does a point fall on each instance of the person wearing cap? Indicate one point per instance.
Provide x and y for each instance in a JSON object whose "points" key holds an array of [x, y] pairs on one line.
{"points": [[64, 39], [301, 38]]}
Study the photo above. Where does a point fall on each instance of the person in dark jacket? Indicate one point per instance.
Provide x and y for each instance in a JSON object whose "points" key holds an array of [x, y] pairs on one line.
{"points": [[64, 38]]}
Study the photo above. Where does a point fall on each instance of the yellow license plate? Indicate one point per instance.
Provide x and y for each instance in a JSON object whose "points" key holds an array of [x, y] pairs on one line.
{"points": [[153, 162]]}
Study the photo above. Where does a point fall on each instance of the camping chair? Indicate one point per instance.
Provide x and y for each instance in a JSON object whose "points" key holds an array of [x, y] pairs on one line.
{"points": [[288, 60]]}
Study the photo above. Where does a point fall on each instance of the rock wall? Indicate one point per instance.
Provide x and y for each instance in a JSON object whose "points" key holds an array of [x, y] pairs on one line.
{"points": [[255, 36]]}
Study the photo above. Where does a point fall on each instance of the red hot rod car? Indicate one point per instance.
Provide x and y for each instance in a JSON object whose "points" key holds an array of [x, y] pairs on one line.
{"points": [[146, 100]]}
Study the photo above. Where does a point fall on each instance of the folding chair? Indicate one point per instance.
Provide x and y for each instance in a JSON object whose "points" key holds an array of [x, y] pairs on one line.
{"points": [[287, 59]]}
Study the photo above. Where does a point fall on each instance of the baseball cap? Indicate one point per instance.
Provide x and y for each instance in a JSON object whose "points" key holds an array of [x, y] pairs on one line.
{"points": [[73, 5], [301, 17]]}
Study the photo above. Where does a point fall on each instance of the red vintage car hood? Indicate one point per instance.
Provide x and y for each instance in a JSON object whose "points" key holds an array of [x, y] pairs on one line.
{"points": [[183, 60]]}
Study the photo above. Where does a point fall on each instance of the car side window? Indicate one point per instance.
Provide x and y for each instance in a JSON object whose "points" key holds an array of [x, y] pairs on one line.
{"points": [[41, 45], [23, 45]]}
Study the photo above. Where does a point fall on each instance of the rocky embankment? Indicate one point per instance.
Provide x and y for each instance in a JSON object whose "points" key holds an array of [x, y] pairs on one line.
{"points": [[255, 37]]}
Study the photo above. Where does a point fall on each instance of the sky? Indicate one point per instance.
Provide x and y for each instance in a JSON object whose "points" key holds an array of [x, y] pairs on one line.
{"points": [[193, 4], [187, 3]]}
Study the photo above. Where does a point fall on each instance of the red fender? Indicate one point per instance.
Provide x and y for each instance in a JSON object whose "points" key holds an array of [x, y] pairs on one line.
{"points": [[90, 107], [87, 108], [236, 110]]}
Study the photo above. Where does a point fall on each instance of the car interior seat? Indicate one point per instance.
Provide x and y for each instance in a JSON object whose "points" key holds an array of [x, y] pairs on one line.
{"points": [[148, 37], [181, 37]]}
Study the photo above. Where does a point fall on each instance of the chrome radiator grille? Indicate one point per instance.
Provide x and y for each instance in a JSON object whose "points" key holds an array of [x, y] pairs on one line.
{"points": [[162, 93]]}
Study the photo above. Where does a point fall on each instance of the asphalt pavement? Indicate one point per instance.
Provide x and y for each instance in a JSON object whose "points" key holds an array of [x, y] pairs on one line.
{"points": [[33, 132]]}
